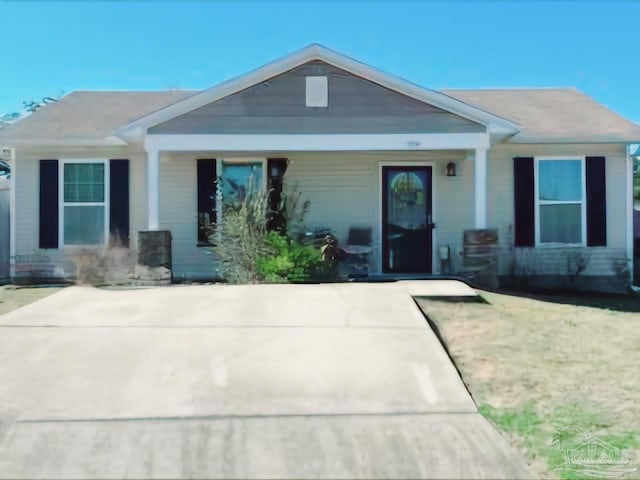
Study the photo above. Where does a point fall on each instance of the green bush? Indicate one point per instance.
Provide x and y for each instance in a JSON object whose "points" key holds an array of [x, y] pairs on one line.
{"points": [[288, 261], [247, 252]]}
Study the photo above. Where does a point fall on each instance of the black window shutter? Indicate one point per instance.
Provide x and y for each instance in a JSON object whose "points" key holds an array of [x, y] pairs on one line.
{"points": [[596, 202], [48, 223], [119, 202], [276, 168], [524, 202], [206, 197]]}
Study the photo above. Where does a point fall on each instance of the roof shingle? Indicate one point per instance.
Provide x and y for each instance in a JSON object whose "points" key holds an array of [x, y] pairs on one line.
{"points": [[552, 115], [546, 115], [90, 115]]}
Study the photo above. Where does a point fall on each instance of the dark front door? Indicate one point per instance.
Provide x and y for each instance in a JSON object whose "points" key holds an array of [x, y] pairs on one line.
{"points": [[406, 219]]}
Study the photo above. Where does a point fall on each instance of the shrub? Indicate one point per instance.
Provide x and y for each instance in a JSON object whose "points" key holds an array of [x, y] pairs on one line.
{"points": [[247, 252], [241, 238], [289, 261], [94, 266]]}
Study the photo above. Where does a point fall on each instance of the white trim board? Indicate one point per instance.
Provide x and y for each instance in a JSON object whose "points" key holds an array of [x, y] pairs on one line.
{"points": [[61, 202], [313, 52], [221, 161], [317, 143], [110, 141]]}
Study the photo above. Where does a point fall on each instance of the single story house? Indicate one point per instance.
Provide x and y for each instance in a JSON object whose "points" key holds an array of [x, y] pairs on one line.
{"points": [[547, 169]]}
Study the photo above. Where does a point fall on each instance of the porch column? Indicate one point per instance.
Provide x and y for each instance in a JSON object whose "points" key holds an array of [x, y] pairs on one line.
{"points": [[153, 189], [480, 188]]}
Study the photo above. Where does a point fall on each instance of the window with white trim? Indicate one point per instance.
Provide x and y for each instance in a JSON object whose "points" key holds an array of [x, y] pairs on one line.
{"points": [[239, 178], [84, 218], [560, 201]]}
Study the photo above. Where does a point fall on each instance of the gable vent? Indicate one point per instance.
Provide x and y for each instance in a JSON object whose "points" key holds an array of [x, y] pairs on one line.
{"points": [[317, 91]]}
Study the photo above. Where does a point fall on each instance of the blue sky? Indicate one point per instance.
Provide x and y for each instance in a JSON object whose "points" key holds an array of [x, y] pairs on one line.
{"points": [[53, 47]]}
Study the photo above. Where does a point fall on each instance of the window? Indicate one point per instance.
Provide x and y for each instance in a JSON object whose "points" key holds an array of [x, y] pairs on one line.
{"points": [[560, 201], [239, 178], [224, 183], [84, 200]]}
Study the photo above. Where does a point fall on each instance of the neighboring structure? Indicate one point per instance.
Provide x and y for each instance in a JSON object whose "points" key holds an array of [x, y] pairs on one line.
{"points": [[548, 168]]}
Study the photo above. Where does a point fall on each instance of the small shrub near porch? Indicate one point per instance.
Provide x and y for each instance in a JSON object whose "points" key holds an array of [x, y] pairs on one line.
{"points": [[252, 244], [291, 262]]}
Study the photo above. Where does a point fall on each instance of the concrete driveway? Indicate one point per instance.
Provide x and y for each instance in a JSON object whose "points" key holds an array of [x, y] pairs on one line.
{"points": [[290, 381]]}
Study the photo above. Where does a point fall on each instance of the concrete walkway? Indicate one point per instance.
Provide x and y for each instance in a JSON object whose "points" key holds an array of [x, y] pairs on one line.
{"points": [[284, 381]]}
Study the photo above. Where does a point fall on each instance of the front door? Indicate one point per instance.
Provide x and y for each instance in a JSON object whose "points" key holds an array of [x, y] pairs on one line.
{"points": [[406, 219]]}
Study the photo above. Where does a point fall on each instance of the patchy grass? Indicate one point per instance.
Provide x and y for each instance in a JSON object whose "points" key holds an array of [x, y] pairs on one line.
{"points": [[13, 297], [547, 369], [543, 440]]}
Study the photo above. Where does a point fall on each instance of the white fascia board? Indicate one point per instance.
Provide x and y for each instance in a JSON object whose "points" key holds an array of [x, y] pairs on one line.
{"points": [[307, 54], [82, 142], [537, 139], [317, 143]]}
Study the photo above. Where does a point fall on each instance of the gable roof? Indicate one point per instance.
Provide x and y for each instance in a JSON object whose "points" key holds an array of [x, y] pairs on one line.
{"points": [[552, 115], [315, 52], [86, 117]]}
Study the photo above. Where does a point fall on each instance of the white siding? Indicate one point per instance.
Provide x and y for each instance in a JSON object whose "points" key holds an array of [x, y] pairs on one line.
{"points": [[549, 262], [29, 257], [4, 231], [137, 198], [344, 190], [178, 213]]}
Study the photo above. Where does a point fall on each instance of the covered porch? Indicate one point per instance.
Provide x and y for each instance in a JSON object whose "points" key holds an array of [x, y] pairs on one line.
{"points": [[437, 181]]}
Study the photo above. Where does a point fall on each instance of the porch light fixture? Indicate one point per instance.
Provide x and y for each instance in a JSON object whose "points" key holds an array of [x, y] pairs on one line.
{"points": [[451, 169]]}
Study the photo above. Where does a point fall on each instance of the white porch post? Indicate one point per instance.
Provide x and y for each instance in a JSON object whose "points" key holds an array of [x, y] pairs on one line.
{"points": [[480, 188], [153, 189]]}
